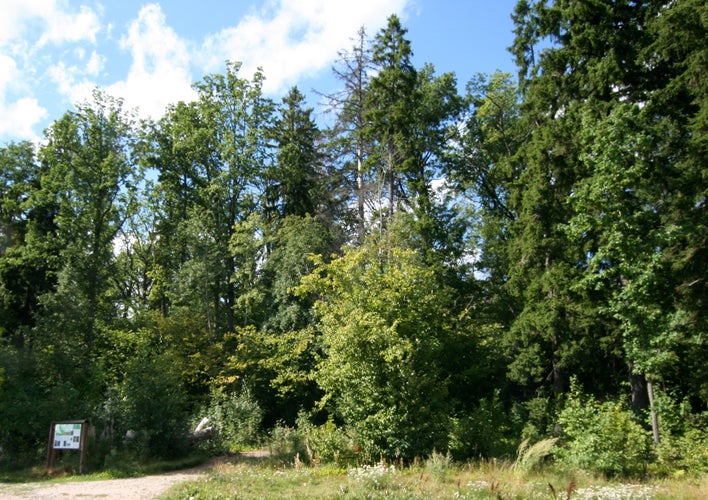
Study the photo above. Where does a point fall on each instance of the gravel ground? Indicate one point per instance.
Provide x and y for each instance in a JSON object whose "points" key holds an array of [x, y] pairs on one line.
{"points": [[139, 488]]}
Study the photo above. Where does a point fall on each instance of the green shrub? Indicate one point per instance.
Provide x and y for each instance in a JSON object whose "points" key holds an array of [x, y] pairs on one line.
{"points": [[601, 437], [287, 443], [684, 437], [326, 443], [236, 418], [154, 406], [486, 432]]}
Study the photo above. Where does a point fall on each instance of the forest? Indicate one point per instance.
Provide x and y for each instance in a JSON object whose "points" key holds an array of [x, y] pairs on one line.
{"points": [[430, 270]]}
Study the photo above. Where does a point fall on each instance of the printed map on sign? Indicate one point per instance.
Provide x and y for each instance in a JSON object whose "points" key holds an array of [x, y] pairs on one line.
{"points": [[67, 436]]}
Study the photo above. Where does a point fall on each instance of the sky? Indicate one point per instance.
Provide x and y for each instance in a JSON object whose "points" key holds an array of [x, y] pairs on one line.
{"points": [[54, 53]]}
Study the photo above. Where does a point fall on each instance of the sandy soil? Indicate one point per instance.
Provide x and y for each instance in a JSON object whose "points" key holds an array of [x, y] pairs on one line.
{"points": [[139, 488]]}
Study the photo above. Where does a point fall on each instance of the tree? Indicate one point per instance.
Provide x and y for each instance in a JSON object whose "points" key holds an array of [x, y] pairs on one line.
{"points": [[641, 209], [92, 175], [220, 149], [591, 61], [385, 320], [294, 184], [351, 125], [389, 100], [28, 260], [482, 169]]}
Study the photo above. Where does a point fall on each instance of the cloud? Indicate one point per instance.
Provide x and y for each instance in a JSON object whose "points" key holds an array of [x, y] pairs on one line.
{"points": [[70, 83], [27, 27], [19, 116], [294, 38], [56, 24], [69, 27], [159, 74]]}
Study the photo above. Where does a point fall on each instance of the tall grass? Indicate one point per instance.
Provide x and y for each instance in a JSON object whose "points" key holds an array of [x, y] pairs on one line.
{"points": [[529, 457], [270, 478]]}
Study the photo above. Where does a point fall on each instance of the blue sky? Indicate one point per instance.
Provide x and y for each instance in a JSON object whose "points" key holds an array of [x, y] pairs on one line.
{"points": [[53, 53]]}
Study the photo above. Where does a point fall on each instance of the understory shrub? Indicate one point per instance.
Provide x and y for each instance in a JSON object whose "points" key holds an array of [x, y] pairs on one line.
{"points": [[601, 437], [684, 437], [325, 443], [236, 418], [485, 433], [154, 406]]}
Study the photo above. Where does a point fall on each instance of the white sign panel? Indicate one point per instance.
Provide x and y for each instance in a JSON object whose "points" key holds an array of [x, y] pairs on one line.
{"points": [[67, 436]]}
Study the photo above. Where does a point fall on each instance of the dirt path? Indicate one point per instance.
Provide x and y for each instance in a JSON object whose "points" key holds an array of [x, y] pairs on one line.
{"points": [[146, 487], [138, 488]]}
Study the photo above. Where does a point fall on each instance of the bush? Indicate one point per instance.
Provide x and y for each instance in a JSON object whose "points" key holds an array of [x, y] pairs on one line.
{"points": [[684, 437], [601, 437], [154, 406], [236, 418], [484, 433], [287, 443], [326, 443]]}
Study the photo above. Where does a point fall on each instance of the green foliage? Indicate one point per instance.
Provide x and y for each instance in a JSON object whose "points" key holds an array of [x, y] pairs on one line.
{"points": [[236, 418], [485, 432], [683, 448], [287, 443], [568, 239], [151, 402], [325, 443], [384, 322], [601, 437]]}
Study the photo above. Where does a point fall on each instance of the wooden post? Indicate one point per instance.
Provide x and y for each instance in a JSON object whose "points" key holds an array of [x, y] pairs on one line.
{"points": [[68, 441]]}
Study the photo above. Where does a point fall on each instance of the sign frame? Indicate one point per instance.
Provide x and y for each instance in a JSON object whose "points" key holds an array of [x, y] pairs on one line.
{"points": [[74, 437]]}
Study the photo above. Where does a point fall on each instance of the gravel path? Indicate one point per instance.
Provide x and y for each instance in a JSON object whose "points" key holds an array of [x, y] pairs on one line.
{"points": [[138, 488]]}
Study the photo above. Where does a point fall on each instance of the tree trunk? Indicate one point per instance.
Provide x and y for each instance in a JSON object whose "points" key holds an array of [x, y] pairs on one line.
{"points": [[652, 408], [640, 396]]}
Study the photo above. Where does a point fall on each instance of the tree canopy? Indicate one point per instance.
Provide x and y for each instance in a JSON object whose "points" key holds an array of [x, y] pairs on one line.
{"points": [[436, 270]]}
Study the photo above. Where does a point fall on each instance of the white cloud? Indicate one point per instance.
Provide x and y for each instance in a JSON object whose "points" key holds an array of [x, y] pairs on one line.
{"points": [[69, 27], [159, 74], [26, 28], [18, 116], [57, 25], [295, 38], [95, 64], [69, 82]]}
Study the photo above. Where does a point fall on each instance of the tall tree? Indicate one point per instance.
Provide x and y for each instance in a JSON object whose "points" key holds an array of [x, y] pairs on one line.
{"points": [[389, 97], [350, 128], [591, 60], [611, 193], [28, 259], [220, 147], [294, 178], [412, 115], [92, 175]]}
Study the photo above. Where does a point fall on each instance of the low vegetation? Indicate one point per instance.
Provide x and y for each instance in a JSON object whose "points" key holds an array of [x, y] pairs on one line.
{"points": [[424, 479]]}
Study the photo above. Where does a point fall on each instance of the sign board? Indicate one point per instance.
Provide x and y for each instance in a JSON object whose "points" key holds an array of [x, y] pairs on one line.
{"points": [[68, 435]]}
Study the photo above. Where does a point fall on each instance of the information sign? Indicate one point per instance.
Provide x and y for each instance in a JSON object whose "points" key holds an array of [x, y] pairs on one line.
{"points": [[68, 435]]}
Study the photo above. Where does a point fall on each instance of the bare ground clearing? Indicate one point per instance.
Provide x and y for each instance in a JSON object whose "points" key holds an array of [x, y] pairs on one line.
{"points": [[137, 488]]}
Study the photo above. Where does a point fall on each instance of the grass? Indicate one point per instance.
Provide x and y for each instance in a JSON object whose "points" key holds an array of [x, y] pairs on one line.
{"points": [[123, 468], [239, 478]]}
